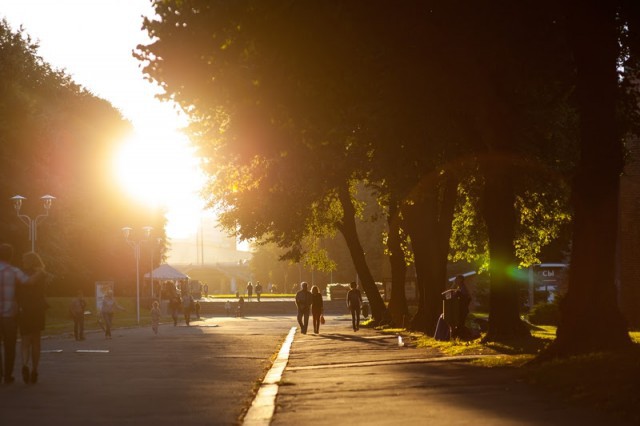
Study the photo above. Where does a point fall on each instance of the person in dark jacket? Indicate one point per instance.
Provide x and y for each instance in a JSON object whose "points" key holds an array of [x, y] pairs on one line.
{"points": [[354, 302], [303, 302], [249, 291], [31, 317], [76, 310]]}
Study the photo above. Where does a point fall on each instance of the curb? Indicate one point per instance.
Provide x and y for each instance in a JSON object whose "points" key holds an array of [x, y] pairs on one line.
{"points": [[264, 404]]}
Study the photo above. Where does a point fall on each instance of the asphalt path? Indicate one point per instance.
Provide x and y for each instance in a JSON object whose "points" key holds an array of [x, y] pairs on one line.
{"points": [[203, 374]]}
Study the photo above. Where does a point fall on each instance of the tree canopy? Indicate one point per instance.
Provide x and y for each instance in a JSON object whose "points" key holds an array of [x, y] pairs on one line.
{"points": [[464, 118], [57, 138]]}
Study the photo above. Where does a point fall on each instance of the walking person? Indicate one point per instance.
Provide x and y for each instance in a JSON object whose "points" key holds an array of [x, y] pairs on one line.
{"points": [[76, 310], [354, 302], [109, 305], [258, 290], [316, 308], [10, 277], [303, 302], [31, 315], [174, 307], [155, 316], [196, 307], [227, 308], [240, 311], [187, 305], [249, 291]]}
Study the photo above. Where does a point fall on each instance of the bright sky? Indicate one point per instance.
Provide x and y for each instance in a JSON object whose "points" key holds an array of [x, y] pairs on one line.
{"points": [[93, 40]]}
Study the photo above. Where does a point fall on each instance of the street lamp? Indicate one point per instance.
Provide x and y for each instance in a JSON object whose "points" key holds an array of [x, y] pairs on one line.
{"points": [[126, 231], [153, 295], [47, 200]]}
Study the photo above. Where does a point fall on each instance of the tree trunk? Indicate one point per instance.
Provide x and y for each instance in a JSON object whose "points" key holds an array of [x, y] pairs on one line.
{"points": [[398, 309], [416, 223], [348, 229], [429, 227], [500, 218], [590, 317]]}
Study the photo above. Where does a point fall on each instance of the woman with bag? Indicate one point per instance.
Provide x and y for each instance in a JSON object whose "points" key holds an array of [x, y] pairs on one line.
{"points": [[316, 308]]}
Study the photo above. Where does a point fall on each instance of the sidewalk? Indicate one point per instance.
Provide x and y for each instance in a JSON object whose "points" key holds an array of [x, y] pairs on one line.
{"points": [[341, 377]]}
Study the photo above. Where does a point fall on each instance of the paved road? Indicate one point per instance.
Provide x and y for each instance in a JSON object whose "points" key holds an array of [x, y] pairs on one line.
{"points": [[203, 374], [207, 374]]}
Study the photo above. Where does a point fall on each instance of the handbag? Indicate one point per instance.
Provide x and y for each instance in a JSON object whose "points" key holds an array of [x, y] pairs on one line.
{"points": [[321, 319]]}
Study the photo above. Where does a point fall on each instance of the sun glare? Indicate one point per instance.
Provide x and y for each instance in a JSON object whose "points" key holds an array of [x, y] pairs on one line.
{"points": [[161, 170]]}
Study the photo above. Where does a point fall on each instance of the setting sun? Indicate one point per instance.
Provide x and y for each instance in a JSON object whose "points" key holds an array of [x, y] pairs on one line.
{"points": [[159, 169]]}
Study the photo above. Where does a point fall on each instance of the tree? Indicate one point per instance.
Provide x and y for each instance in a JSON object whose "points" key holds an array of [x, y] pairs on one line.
{"points": [[591, 320], [57, 138], [301, 103], [278, 128]]}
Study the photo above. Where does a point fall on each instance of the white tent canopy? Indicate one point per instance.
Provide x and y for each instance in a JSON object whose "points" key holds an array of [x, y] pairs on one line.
{"points": [[166, 272]]}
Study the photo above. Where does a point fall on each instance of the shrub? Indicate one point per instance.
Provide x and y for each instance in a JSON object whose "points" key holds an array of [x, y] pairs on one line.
{"points": [[545, 314]]}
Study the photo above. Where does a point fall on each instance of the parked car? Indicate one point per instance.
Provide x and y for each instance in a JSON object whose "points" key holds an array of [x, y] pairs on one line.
{"points": [[337, 291]]}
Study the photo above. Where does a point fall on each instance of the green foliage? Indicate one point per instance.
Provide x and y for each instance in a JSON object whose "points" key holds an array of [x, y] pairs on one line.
{"points": [[468, 232], [542, 216], [545, 314], [292, 103]]}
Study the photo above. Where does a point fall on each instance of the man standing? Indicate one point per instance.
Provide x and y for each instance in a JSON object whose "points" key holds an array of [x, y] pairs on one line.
{"points": [[10, 276], [249, 290], [354, 301], [303, 302], [258, 290], [187, 305], [77, 308]]}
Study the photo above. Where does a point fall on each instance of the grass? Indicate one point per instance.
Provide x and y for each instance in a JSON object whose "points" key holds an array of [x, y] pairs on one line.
{"points": [[262, 296], [59, 321]]}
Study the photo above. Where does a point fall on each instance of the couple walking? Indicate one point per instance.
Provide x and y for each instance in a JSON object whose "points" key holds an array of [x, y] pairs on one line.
{"points": [[22, 307], [306, 301], [313, 300]]}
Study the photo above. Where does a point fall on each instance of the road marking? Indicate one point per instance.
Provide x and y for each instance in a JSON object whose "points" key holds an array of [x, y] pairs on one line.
{"points": [[264, 404], [51, 351], [92, 351]]}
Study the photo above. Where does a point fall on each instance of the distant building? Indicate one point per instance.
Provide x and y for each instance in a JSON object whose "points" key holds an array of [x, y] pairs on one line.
{"points": [[209, 246], [221, 278]]}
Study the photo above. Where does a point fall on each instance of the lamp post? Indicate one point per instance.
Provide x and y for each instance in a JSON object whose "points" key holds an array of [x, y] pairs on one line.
{"points": [[153, 295], [126, 231], [47, 200]]}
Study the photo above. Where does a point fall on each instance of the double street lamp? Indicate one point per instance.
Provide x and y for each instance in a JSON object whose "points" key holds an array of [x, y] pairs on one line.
{"points": [[136, 250], [47, 200]]}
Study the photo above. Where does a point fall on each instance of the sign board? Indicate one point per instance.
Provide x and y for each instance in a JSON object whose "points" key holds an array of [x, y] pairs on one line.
{"points": [[547, 276]]}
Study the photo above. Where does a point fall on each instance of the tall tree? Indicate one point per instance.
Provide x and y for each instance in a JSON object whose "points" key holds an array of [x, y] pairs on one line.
{"points": [[280, 118], [591, 319]]}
